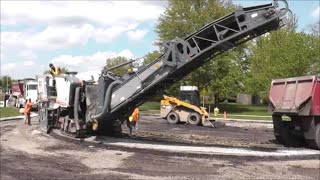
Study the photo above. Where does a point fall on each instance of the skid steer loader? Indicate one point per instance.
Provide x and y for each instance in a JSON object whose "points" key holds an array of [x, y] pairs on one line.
{"points": [[186, 109]]}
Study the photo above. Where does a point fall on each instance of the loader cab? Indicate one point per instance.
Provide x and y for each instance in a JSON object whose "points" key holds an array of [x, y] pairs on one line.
{"points": [[190, 94]]}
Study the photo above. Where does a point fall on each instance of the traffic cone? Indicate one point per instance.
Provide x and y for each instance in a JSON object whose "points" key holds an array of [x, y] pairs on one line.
{"points": [[225, 115]]}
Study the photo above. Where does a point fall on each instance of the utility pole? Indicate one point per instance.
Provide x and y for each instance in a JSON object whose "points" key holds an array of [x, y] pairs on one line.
{"points": [[7, 84], [1, 82]]}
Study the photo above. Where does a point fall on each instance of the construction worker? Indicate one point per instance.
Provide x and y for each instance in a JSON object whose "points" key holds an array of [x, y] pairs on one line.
{"points": [[132, 121], [27, 111], [54, 71]]}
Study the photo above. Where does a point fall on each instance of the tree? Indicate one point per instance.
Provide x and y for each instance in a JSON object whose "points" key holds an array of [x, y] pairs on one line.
{"points": [[315, 28], [184, 17], [150, 57], [5, 82], [111, 62], [281, 54]]}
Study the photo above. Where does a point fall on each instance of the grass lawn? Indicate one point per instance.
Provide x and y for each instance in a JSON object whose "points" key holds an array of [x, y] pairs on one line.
{"points": [[230, 108], [149, 106], [240, 109], [8, 112], [243, 117]]}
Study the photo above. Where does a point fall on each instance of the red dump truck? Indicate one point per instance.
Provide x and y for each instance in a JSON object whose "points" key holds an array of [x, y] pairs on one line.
{"points": [[295, 106]]}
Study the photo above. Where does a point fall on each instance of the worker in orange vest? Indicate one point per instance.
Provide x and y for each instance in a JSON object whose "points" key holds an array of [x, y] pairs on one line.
{"points": [[27, 111], [132, 121]]}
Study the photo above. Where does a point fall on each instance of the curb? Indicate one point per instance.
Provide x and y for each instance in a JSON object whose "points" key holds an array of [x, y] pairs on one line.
{"points": [[225, 120], [17, 117]]}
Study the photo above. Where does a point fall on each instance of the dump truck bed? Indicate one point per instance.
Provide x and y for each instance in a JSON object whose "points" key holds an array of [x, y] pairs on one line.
{"points": [[298, 95], [17, 89]]}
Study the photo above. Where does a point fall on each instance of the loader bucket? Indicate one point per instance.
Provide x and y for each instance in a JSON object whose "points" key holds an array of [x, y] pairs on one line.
{"points": [[207, 123], [213, 123]]}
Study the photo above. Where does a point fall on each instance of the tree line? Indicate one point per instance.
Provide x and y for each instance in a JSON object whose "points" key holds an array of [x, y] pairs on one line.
{"points": [[5, 83]]}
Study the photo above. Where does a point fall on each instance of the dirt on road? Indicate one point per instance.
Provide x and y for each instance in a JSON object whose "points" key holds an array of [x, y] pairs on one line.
{"points": [[27, 153]]}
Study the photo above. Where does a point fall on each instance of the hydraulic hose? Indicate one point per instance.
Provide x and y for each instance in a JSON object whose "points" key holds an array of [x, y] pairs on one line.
{"points": [[107, 101], [75, 108], [284, 11]]}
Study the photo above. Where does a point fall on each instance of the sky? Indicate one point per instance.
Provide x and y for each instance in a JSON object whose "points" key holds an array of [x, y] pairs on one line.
{"points": [[81, 35]]}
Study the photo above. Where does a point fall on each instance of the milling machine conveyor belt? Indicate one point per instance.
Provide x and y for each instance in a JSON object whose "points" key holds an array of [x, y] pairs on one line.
{"points": [[182, 56]]}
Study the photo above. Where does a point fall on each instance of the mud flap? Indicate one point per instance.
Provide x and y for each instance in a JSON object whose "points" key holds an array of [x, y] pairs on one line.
{"points": [[43, 119]]}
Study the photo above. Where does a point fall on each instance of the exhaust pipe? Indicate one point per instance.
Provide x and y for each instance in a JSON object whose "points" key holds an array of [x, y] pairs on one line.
{"points": [[75, 108], [107, 102]]}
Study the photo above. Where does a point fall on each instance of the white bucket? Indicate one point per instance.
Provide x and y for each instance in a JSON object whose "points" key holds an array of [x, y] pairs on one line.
{"points": [[21, 110], [1, 103]]}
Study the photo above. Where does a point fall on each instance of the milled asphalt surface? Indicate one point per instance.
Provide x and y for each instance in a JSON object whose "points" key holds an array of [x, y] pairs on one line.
{"points": [[139, 144], [27, 153]]}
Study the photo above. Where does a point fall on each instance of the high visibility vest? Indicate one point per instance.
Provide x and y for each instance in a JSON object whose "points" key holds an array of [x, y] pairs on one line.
{"points": [[135, 115], [27, 107], [56, 71]]}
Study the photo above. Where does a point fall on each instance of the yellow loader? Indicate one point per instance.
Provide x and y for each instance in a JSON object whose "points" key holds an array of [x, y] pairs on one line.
{"points": [[177, 111]]}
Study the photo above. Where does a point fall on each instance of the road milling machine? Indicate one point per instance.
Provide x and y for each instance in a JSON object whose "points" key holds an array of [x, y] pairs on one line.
{"points": [[78, 106]]}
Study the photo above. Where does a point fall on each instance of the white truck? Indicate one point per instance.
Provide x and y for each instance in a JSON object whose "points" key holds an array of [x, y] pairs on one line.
{"points": [[23, 90]]}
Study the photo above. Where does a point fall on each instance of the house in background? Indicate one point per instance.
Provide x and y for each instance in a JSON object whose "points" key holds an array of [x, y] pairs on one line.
{"points": [[248, 99]]}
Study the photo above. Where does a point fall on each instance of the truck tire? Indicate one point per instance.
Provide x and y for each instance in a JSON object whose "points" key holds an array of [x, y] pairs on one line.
{"points": [[194, 118], [288, 138], [110, 128], [283, 132], [173, 118], [15, 103], [277, 125], [315, 143]]}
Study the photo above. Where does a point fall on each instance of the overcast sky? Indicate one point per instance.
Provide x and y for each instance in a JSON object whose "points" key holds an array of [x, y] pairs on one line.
{"points": [[81, 35]]}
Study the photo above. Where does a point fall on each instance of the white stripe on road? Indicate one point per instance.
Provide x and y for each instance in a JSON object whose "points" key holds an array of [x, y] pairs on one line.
{"points": [[214, 150], [208, 150]]}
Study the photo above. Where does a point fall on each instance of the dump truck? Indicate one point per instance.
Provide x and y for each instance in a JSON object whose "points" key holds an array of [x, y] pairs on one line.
{"points": [[80, 106], [295, 106], [185, 109], [22, 90]]}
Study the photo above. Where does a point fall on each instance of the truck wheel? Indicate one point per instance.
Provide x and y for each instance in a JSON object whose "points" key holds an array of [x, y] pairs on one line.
{"points": [[277, 125], [288, 138], [173, 118], [283, 132], [110, 128], [15, 102], [315, 143], [194, 118]]}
